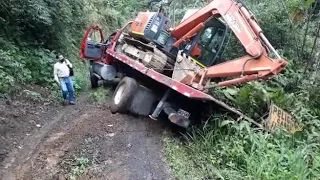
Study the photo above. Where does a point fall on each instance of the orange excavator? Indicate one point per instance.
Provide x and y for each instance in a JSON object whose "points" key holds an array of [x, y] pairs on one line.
{"points": [[184, 58]]}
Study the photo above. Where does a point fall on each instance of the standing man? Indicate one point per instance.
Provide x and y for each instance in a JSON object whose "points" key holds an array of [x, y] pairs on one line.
{"points": [[61, 72]]}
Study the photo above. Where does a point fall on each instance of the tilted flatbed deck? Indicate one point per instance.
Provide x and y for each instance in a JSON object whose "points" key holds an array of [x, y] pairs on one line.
{"points": [[173, 84]]}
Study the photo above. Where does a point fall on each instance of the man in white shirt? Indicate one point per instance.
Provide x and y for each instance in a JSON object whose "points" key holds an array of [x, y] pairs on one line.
{"points": [[61, 72]]}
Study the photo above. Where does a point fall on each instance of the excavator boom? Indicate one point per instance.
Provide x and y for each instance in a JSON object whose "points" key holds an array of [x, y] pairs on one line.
{"points": [[180, 59], [256, 65], [235, 15]]}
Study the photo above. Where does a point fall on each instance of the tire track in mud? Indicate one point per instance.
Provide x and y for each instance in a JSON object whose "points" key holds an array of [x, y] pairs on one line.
{"points": [[118, 146], [19, 157]]}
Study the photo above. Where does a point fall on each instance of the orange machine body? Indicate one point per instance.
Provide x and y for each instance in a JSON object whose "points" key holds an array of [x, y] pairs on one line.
{"points": [[152, 26], [138, 26], [255, 65]]}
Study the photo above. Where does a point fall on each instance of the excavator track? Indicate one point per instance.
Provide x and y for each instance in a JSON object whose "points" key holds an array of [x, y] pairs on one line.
{"points": [[148, 54]]}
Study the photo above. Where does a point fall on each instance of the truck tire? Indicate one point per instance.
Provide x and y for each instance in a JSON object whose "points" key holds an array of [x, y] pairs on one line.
{"points": [[94, 81], [123, 95], [143, 102]]}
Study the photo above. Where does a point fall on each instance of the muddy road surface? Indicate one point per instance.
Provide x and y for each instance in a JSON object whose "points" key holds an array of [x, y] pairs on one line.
{"points": [[84, 141]]}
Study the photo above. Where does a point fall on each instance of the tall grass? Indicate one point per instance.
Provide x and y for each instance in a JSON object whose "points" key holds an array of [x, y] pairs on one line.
{"points": [[224, 149]]}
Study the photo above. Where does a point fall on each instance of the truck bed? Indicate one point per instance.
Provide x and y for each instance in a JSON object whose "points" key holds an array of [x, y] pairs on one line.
{"points": [[171, 83]]}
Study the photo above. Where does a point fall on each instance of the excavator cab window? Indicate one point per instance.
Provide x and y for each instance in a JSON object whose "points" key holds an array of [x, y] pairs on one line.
{"points": [[207, 45]]}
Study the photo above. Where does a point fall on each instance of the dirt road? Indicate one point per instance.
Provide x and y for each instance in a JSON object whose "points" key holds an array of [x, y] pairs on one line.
{"points": [[84, 141]]}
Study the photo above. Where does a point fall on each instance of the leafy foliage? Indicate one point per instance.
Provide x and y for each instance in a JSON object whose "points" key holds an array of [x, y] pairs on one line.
{"points": [[79, 167], [99, 96], [227, 149], [34, 31]]}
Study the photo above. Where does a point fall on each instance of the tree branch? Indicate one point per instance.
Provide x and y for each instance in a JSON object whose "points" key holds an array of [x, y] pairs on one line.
{"points": [[307, 28], [312, 50]]}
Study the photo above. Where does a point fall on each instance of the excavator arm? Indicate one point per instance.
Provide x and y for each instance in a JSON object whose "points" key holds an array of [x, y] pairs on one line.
{"points": [[255, 65]]}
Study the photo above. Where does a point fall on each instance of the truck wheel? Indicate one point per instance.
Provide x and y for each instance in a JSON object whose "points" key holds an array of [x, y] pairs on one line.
{"points": [[142, 102], [94, 81], [123, 95]]}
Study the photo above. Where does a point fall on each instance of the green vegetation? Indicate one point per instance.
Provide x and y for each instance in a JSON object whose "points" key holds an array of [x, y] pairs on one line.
{"points": [[34, 31], [228, 149], [100, 95], [79, 167], [224, 149]]}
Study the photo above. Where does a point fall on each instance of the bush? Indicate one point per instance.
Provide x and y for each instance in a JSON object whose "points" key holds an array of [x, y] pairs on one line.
{"points": [[25, 66], [34, 31], [224, 149], [228, 149]]}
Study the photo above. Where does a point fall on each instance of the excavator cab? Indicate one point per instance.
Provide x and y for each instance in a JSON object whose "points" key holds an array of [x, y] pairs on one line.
{"points": [[207, 46]]}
